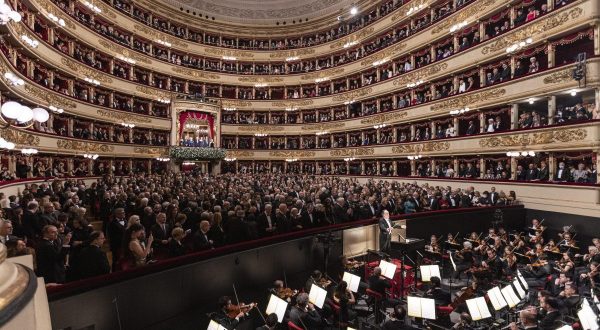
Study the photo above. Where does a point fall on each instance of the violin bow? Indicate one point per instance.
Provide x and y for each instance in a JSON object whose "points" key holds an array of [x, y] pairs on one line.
{"points": [[236, 298], [285, 279]]}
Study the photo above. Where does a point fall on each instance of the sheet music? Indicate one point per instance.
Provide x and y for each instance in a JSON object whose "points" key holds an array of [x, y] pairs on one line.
{"points": [[414, 306], [496, 298], [388, 269], [429, 271], [510, 296], [520, 290], [213, 325], [352, 280], [565, 327], [473, 310], [452, 261], [587, 317], [428, 308], [317, 295], [278, 306], [522, 280]]}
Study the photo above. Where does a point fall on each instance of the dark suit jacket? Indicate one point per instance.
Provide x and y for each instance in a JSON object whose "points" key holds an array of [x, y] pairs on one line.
{"points": [[543, 174], [91, 262], [531, 174], [262, 224], [564, 176], [50, 261], [237, 231], [384, 237], [550, 321], [310, 320], [378, 285], [175, 248], [434, 204], [339, 214], [493, 197], [116, 231], [201, 241], [440, 296]]}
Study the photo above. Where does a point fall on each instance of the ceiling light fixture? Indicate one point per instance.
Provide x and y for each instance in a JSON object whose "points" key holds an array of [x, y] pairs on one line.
{"points": [[519, 45], [29, 151], [128, 125], [30, 41], [14, 113], [415, 157], [353, 11], [91, 156], [7, 14], [349, 159], [13, 79], [6, 144]]}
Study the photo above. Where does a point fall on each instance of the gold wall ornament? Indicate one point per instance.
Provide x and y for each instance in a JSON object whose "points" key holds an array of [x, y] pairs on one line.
{"points": [[50, 97], [322, 126], [152, 151], [352, 152], [106, 10], [384, 118], [292, 53], [195, 73], [260, 79], [292, 103], [119, 50], [236, 104], [322, 74], [84, 70], [19, 137], [160, 36], [548, 137], [560, 76], [229, 53], [419, 74], [349, 96], [352, 38], [260, 128], [530, 31], [84, 146], [239, 153], [153, 92], [292, 154], [52, 9], [386, 53], [421, 147], [402, 11], [463, 15], [468, 100], [123, 117]]}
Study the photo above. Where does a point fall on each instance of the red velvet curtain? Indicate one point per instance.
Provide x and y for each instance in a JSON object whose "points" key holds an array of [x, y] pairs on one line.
{"points": [[186, 115]]}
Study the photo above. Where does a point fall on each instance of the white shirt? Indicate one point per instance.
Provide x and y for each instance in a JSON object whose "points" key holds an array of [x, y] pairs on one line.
{"points": [[490, 128]]}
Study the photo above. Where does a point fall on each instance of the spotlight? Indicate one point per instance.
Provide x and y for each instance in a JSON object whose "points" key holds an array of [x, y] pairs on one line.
{"points": [[353, 11]]}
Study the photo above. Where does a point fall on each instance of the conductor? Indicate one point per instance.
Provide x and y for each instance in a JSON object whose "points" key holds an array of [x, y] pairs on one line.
{"points": [[385, 232]]}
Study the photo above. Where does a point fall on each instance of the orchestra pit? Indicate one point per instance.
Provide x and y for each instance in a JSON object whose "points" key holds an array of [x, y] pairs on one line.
{"points": [[299, 164]]}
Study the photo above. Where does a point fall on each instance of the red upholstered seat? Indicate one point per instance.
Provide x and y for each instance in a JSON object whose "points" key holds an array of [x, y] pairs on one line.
{"points": [[292, 326], [374, 294]]}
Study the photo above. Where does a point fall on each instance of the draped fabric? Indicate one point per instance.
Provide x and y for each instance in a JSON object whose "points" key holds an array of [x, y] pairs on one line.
{"points": [[473, 116], [196, 115], [468, 160], [574, 37], [499, 16], [468, 30], [443, 82], [572, 156], [496, 65], [500, 159], [532, 51], [497, 112], [443, 121]]}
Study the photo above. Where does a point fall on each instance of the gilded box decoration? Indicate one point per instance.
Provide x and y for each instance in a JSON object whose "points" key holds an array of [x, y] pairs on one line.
{"points": [[322, 74], [195, 73], [260, 79], [160, 36], [292, 154], [123, 51], [419, 74], [352, 152], [239, 153], [292, 53], [292, 104], [19, 137], [236, 104], [383, 118], [421, 147], [468, 100], [463, 15], [84, 146], [229, 53], [387, 53], [50, 97], [153, 92], [84, 70], [560, 76], [123, 117], [260, 128], [519, 140], [349, 96], [151, 151], [322, 126]]}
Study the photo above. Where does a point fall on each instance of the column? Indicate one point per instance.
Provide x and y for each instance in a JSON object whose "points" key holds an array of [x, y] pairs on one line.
{"points": [[433, 163], [413, 167], [395, 134], [432, 130], [455, 122], [347, 167], [362, 167], [482, 167], [552, 164], [551, 56], [412, 131], [70, 127], [455, 165], [378, 168], [597, 39], [551, 109], [597, 164], [395, 168], [482, 122], [513, 168], [514, 116]]}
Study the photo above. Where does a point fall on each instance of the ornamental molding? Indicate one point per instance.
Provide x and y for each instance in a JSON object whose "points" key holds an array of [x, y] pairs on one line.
{"points": [[322, 126], [384, 54], [468, 100], [84, 146], [462, 16], [560, 76], [515, 140], [160, 36], [260, 79], [420, 74], [421, 147], [292, 154], [229, 53], [261, 128], [352, 38], [529, 31], [292, 53], [19, 137], [349, 96], [122, 117], [51, 9], [239, 153], [87, 72], [119, 50], [292, 104], [50, 98], [106, 10], [403, 11], [352, 152], [153, 151], [195, 73], [322, 74], [384, 118], [153, 92], [236, 104]]}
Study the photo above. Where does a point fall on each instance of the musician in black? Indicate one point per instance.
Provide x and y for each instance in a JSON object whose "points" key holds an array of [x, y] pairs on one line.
{"points": [[223, 315], [385, 232], [396, 320], [463, 259], [528, 321], [441, 296], [535, 275], [493, 263], [552, 318], [304, 314], [569, 299]]}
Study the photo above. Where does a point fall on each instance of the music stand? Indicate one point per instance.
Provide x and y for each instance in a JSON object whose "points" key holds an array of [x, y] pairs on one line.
{"points": [[429, 271], [278, 306], [519, 289], [352, 280], [565, 327], [317, 295], [587, 317], [522, 280], [421, 307], [510, 296], [496, 298], [214, 325], [478, 309], [388, 269]]}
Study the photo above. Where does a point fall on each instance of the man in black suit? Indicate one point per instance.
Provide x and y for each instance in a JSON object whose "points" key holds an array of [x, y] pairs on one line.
{"points": [[6, 230], [436, 292], [237, 230], [308, 217], [532, 173], [396, 321], [528, 321], [304, 314], [371, 209], [434, 203], [552, 319], [266, 222], [161, 232], [116, 232], [543, 173], [50, 255], [493, 196], [282, 219], [31, 220], [385, 232], [562, 174], [92, 261], [471, 128], [201, 240], [341, 213], [270, 322]]}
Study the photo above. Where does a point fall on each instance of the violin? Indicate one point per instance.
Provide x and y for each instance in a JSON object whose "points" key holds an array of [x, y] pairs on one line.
{"points": [[233, 310], [323, 282], [467, 294], [286, 293], [539, 263]]}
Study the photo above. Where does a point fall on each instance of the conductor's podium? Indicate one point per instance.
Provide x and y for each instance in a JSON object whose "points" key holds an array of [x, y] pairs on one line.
{"points": [[396, 289]]}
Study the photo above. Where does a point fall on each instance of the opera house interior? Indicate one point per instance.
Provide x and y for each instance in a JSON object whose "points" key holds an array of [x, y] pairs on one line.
{"points": [[306, 164]]}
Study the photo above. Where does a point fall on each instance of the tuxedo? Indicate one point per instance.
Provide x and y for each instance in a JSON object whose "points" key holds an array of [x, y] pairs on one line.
{"points": [[116, 233], [562, 174], [532, 174], [493, 197], [385, 237], [434, 204], [50, 259], [263, 223], [201, 241], [543, 174], [91, 261], [4, 239], [160, 233], [339, 214]]}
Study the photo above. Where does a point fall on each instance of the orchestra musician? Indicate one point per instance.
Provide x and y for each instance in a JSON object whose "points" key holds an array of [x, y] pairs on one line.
{"points": [[317, 278], [569, 298], [282, 292], [535, 274], [344, 298], [230, 315], [566, 230], [396, 320], [465, 322], [510, 261], [553, 316], [590, 277], [270, 322], [551, 246], [441, 296], [528, 320], [304, 314], [385, 232], [433, 246], [464, 258], [493, 264], [565, 264]]}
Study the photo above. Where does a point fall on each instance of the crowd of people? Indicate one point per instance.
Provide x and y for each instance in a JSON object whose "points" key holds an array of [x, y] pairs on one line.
{"points": [[151, 217]]}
